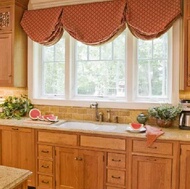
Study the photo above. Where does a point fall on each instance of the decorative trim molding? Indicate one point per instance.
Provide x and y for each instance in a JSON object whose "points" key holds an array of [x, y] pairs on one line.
{"points": [[38, 4]]}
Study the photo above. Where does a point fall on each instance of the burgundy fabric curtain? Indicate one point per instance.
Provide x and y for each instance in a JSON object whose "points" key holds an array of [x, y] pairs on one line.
{"points": [[97, 23], [43, 26], [148, 19]]}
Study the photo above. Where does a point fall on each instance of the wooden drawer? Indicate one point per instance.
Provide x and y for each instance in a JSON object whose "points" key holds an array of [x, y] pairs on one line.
{"points": [[100, 142], [45, 182], [116, 177], [116, 160], [15, 128], [45, 151], [45, 166], [156, 148], [57, 138]]}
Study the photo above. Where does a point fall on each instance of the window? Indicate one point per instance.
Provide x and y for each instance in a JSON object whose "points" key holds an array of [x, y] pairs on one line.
{"points": [[123, 72]]}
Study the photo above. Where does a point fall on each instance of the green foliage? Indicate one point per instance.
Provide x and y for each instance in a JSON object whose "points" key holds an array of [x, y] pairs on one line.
{"points": [[15, 107], [165, 112]]}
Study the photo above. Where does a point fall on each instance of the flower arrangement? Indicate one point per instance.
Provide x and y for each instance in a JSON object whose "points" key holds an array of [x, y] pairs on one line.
{"points": [[15, 107]]}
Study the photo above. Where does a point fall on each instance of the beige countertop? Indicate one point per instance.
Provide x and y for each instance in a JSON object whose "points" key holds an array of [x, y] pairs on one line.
{"points": [[173, 133], [12, 177]]}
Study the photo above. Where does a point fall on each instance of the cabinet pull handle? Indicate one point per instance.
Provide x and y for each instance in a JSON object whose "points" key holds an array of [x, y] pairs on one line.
{"points": [[10, 75], [115, 177], [45, 151], [78, 158], [45, 182], [149, 159], [153, 147], [116, 160], [16, 129], [45, 166]]}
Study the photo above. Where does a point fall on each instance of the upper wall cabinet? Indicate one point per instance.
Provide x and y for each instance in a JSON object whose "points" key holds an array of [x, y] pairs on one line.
{"points": [[186, 24], [36, 4], [13, 44]]}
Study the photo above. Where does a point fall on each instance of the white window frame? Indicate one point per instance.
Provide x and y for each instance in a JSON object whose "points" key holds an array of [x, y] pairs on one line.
{"points": [[129, 103]]}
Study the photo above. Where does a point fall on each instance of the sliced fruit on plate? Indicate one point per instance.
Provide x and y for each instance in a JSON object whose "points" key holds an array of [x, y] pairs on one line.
{"points": [[136, 125], [52, 118], [41, 118], [34, 113], [49, 115]]}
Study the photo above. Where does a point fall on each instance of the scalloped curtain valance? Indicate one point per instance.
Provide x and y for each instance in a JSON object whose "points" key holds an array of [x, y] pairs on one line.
{"points": [[97, 23]]}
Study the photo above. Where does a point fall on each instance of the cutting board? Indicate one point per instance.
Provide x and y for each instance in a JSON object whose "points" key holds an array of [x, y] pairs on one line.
{"points": [[38, 122]]}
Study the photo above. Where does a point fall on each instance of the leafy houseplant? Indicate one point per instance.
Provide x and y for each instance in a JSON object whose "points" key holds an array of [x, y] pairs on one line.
{"points": [[165, 114], [15, 107]]}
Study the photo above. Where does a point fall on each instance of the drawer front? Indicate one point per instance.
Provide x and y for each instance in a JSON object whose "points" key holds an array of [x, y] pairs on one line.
{"points": [[100, 142], [116, 177], [45, 151], [156, 148], [45, 182], [116, 160], [57, 138], [45, 166]]}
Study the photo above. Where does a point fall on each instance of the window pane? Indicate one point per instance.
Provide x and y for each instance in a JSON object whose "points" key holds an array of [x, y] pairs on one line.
{"points": [[53, 69], [101, 75], [152, 67]]}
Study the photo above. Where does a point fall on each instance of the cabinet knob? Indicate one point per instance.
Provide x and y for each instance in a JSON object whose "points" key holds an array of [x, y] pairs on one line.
{"points": [[10, 75], [78, 158]]}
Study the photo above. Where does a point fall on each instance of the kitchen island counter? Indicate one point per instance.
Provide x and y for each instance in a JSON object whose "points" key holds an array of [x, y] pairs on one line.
{"points": [[13, 178]]}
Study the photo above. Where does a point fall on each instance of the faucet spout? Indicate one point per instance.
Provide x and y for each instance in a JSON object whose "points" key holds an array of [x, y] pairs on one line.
{"points": [[95, 105]]}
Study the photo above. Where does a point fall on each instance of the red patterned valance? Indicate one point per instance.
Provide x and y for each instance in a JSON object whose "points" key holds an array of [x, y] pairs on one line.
{"points": [[149, 19], [43, 26], [96, 23]]}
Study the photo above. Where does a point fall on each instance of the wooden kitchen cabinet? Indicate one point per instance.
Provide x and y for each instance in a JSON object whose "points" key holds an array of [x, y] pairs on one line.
{"points": [[79, 169], [185, 167], [13, 44], [155, 166], [186, 30], [18, 149]]}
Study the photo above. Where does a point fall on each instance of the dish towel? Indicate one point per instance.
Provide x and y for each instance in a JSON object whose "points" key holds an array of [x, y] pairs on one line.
{"points": [[152, 133]]}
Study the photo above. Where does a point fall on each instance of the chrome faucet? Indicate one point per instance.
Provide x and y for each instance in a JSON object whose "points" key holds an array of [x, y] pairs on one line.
{"points": [[99, 116]]}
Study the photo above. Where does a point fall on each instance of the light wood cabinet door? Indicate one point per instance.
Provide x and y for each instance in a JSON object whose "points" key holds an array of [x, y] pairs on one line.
{"points": [[66, 168], [185, 167], [79, 169], [5, 60], [151, 173], [91, 169], [18, 149]]}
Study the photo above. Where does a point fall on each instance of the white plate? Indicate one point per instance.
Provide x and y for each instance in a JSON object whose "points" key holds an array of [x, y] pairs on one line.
{"points": [[141, 130]]}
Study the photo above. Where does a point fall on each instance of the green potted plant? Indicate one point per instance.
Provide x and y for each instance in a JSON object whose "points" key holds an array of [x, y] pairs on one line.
{"points": [[165, 114], [15, 107]]}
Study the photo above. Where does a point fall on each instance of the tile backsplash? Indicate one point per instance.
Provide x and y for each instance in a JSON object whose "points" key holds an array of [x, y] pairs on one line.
{"points": [[86, 114]]}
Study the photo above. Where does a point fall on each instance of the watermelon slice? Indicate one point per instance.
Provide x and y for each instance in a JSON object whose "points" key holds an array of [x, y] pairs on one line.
{"points": [[41, 117], [52, 118], [47, 116], [34, 113], [136, 125]]}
